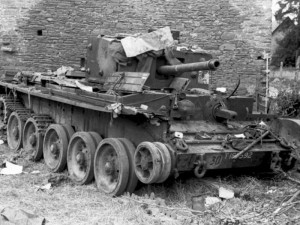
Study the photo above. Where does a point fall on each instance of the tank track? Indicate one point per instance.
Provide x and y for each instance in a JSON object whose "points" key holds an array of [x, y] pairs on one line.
{"points": [[9, 105], [42, 121], [33, 140]]}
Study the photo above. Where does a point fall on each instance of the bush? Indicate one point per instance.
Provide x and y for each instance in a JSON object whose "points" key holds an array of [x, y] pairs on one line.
{"points": [[288, 103]]}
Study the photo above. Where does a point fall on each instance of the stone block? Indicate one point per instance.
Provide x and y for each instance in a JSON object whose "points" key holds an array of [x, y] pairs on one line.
{"points": [[7, 49], [227, 47], [228, 36]]}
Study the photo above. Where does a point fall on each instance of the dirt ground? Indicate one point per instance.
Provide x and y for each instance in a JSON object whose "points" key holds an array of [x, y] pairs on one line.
{"points": [[262, 199]]}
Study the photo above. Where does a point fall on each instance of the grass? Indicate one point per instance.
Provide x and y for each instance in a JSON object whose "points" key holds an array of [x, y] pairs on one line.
{"points": [[258, 199]]}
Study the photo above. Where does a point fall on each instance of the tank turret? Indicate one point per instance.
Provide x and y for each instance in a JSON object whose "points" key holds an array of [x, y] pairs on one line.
{"points": [[107, 55]]}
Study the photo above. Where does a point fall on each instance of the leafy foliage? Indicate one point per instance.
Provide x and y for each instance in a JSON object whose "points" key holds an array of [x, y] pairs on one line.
{"points": [[288, 46], [288, 103], [288, 7]]}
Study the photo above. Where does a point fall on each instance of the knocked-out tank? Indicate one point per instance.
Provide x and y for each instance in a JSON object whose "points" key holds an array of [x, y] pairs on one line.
{"points": [[138, 114]]}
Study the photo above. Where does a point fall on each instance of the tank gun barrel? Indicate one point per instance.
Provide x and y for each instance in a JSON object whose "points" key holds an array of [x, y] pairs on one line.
{"points": [[225, 114], [212, 64]]}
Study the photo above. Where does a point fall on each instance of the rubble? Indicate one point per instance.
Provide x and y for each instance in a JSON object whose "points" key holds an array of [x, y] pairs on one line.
{"points": [[11, 215], [11, 169]]}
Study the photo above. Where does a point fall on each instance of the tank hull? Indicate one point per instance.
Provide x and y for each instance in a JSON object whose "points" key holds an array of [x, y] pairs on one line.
{"points": [[85, 113]]}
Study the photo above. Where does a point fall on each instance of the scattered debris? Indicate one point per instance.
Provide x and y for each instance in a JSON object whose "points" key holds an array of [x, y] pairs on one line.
{"points": [[221, 89], [263, 124], [287, 204], [116, 108], [63, 70], [44, 187], [225, 193], [198, 203], [157, 207], [144, 107], [57, 179], [52, 180], [287, 176], [11, 169], [211, 201], [202, 136], [271, 191], [240, 136], [10, 215], [83, 87], [156, 40], [251, 145]]}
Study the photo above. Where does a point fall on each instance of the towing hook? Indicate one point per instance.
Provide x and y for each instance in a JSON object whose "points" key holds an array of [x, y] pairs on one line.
{"points": [[200, 169], [181, 145]]}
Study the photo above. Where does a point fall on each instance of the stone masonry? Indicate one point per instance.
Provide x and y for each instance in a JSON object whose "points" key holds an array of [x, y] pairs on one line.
{"points": [[39, 35]]}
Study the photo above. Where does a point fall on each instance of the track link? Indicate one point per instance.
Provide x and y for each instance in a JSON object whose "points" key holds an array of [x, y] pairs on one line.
{"points": [[42, 122]]}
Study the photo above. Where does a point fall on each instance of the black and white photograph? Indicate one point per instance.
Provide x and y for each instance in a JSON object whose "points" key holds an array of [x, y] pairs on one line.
{"points": [[139, 112]]}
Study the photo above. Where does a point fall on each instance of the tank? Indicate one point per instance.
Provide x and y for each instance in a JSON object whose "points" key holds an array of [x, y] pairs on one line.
{"points": [[138, 113]]}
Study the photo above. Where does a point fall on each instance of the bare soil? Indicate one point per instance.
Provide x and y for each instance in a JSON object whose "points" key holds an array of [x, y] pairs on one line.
{"points": [[258, 199]]}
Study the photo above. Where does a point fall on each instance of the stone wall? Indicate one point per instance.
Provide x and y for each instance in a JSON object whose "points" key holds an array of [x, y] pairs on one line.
{"points": [[39, 35]]}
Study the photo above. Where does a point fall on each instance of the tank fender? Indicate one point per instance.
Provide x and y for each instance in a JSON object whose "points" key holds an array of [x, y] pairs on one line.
{"points": [[287, 128]]}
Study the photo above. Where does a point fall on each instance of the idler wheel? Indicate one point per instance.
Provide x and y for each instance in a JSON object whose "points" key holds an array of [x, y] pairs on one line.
{"points": [[81, 151], [14, 131], [33, 139], [166, 162], [111, 166], [55, 147], [147, 162], [132, 178]]}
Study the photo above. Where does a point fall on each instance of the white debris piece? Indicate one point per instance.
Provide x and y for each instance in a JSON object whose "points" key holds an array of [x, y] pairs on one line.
{"points": [[83, 87], [144, 107], [116, 108], [156, 40], [240, 136], [1, 142], [63, 70], [221, 89], [270, 191], [44, 187], [225, 193], [11, 169], [178, 134], [211, 201], [263, 124]]}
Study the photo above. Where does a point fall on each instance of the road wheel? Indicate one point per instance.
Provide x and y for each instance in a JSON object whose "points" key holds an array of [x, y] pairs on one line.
{"points": [[15, 127], [132, 179], [69, 130], [55, 147], [111, 167], [166, 162], [96, 137], [33, 135], [147, 162], [81, 151]]}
